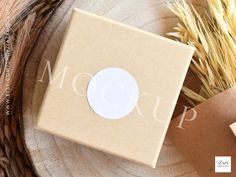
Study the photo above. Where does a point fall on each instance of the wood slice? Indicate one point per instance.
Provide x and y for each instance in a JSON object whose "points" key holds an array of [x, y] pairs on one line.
{"points": [[53, 156]]}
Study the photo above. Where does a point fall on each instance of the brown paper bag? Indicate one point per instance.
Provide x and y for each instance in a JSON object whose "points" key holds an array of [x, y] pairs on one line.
{"points": [[207, 135]]}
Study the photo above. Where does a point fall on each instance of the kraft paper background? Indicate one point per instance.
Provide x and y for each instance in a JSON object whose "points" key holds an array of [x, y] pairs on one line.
{"points": [[208, 135]]}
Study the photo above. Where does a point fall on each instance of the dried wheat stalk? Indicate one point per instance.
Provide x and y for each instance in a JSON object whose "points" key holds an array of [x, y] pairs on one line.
{"points": [[26, 21], [214, 37], [14, 7]]}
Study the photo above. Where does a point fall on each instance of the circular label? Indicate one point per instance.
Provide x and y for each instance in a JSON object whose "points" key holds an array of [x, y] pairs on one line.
{"points": [[112, 93]]}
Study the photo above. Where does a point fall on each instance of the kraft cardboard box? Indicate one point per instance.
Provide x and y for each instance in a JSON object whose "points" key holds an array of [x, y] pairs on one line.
{"points": [[114, 87]]}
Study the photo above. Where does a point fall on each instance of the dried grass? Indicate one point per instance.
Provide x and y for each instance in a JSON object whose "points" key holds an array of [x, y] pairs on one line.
{"points": [[23, 38], [26, 22], [214, 37], [15, 8]]}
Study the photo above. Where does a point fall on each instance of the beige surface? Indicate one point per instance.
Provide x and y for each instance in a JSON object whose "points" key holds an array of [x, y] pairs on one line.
{"points": [[93, 43], [53, 156]]}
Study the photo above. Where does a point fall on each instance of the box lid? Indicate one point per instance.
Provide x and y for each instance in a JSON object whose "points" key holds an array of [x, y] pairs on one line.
{"points": [[154, 68]]}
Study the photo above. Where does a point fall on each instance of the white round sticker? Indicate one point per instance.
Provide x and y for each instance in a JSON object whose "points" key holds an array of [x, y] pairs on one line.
{"points": [[113, 93]]}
